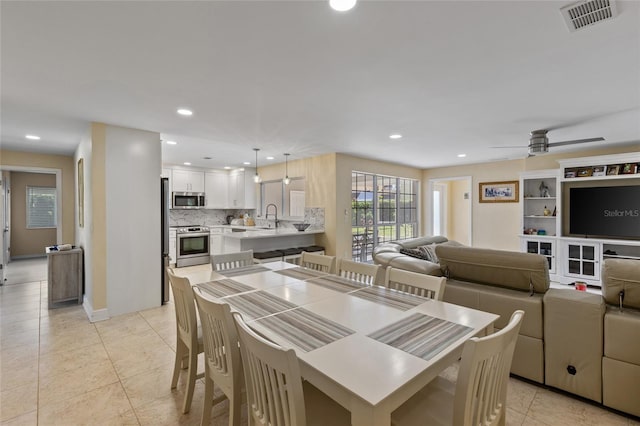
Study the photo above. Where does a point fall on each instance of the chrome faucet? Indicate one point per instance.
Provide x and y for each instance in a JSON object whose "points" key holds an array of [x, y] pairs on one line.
{"points": [[275, 215]]}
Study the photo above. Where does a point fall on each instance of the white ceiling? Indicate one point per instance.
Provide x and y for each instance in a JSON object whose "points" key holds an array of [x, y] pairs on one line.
{"points": [[294, 76]]}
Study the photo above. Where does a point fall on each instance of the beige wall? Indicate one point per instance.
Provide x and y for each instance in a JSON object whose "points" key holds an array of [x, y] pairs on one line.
{"points": [[459, 211], [28, 242], [498, 225], [328, 185], [99, 216], [9, 159]]}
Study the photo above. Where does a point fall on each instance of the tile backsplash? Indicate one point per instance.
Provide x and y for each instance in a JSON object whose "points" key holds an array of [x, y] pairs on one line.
{"points": [[206, 217]]}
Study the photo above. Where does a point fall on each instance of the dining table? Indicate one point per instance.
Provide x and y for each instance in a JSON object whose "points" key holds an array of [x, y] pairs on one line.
{"points": [[369, 348]]}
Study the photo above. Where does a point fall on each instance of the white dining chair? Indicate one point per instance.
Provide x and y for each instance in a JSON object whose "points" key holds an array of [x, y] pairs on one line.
{"points": [[365, 273], [479, 396], [276, 395], [220, 262], [222, 357], [318, 262], [415, 283], [188, 336]]}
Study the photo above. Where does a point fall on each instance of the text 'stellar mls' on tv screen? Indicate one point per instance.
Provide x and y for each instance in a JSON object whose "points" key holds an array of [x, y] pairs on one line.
{"points": [[606, 212]]}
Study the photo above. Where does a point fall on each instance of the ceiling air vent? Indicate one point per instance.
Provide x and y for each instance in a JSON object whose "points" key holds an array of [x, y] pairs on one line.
{"points": [[586, 13]]}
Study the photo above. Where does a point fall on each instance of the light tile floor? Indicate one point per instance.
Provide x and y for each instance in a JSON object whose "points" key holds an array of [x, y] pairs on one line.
{"points": [[57, 368]]}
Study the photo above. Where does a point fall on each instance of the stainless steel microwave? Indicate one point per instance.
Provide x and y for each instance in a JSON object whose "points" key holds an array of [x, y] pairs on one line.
{"points": [[188, 200]]}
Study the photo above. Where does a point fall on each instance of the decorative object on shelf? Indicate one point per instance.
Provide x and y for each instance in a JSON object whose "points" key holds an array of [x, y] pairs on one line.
{"points": [[530, 231], [499, 192], [546, 211], [544, 190], [555, 211], [256, 177], [629, 168], [286, 179], [569, 173], [599, 170], [613, 169], [542, 232], [585, 172]]}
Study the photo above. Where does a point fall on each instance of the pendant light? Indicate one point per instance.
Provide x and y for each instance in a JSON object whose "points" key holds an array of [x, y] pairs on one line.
{"points": [[286, 179], [256, 177]]}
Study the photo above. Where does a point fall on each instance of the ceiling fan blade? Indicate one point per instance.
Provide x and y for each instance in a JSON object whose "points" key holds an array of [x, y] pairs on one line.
{"points": [[576, 141], [515, 146]]}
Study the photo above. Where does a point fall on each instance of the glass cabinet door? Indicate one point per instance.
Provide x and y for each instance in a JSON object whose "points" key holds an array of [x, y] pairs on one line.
{"points": [[583, 260]]}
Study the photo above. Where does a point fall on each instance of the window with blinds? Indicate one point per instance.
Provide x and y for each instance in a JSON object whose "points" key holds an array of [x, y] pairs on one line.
{"points": [[41, 207]]}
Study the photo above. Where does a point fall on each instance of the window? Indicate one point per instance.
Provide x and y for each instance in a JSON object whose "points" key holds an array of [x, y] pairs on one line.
{"points": [[383, 208], [288, 199], [41, 207]]}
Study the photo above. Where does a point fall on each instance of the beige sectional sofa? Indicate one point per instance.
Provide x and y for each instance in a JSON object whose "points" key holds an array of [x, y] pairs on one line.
{"points": [[579, 342]]}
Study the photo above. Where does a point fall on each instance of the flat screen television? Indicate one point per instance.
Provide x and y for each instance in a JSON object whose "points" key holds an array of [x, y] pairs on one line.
{"points": [[605, 212]]}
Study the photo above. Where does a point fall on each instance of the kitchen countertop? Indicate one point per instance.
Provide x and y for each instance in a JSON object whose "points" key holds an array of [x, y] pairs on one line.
{"points": [[270, 233]]}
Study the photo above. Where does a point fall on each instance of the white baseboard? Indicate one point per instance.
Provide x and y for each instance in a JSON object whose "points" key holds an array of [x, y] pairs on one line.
{"points": [[94, 315]]}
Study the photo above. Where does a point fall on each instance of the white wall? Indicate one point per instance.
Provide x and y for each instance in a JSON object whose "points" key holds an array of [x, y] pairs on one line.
{"points": [[133, 169]]}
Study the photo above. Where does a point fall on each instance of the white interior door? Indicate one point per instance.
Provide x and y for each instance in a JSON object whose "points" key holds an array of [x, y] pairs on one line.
{"points": [[439, 209]]}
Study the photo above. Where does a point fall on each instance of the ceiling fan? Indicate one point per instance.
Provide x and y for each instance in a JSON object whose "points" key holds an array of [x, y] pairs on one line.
{"points": [[539, 143]]}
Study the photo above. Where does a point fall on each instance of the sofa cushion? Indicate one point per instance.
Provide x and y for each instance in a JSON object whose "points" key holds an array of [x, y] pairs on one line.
{"points": [[621, 275], [498, 301], [415, 265], [515, 270], [622, 335]]}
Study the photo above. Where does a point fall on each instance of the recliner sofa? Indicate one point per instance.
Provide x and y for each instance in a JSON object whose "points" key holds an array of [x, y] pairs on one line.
{"points": [[579, 342]]}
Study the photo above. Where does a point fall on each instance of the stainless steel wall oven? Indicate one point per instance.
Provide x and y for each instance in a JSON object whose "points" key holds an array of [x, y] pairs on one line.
{"points": [[192, 246]]}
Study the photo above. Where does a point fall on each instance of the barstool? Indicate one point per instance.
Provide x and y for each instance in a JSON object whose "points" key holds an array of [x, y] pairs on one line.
{"points": [[291, 255], [267, 256], [313, 249]]}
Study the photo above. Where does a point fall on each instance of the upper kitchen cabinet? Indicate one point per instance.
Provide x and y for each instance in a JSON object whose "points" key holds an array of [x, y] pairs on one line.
{"points": [[242, 189], [216, 186], [187, 181]]}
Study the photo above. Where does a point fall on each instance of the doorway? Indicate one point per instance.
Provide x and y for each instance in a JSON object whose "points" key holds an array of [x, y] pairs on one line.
{"points": [[451, 208], [28, 191]]}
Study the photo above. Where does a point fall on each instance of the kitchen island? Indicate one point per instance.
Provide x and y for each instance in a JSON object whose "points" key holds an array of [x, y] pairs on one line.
{"points": [[260, 240]]}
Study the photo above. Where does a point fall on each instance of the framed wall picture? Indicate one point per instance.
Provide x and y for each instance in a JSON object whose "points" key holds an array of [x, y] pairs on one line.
{"points": [[499, 192], [81, 193], [614, 169]]}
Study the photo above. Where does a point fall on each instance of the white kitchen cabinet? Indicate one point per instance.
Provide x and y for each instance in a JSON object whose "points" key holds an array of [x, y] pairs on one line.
{"points": [[242, 189], [172, 246], [187, 180], [216, 186], [216, 241]]}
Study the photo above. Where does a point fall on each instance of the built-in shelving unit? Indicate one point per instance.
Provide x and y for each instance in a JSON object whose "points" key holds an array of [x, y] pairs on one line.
{"points": [[572, 258]]}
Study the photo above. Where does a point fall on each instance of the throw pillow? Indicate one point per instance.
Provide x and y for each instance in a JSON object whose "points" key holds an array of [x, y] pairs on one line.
{"points": [[429, 251], [414, 253]]}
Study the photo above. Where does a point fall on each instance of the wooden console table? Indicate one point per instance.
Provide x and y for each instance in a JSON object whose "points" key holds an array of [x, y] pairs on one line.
{"points": [[64, 276]]}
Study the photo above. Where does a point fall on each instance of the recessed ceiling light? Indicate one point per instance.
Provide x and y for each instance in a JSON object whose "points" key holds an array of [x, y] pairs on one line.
{"points": [[171, 142], [342, 5], [227, 168], [247, 163], [395, 136], [184, 111], [462, 155], [269, 158], [33, 137], [186, 163]]}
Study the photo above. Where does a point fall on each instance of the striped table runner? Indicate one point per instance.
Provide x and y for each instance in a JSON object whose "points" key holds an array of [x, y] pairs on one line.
{"points": [[393, 298], [224, 287], [421, 335], [301, 273], [304, 329], [337, 283], [245, 270], [258, 304]]}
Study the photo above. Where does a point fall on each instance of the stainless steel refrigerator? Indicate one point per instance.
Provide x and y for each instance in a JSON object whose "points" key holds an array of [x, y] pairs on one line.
{"points": [[164, 209]]}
